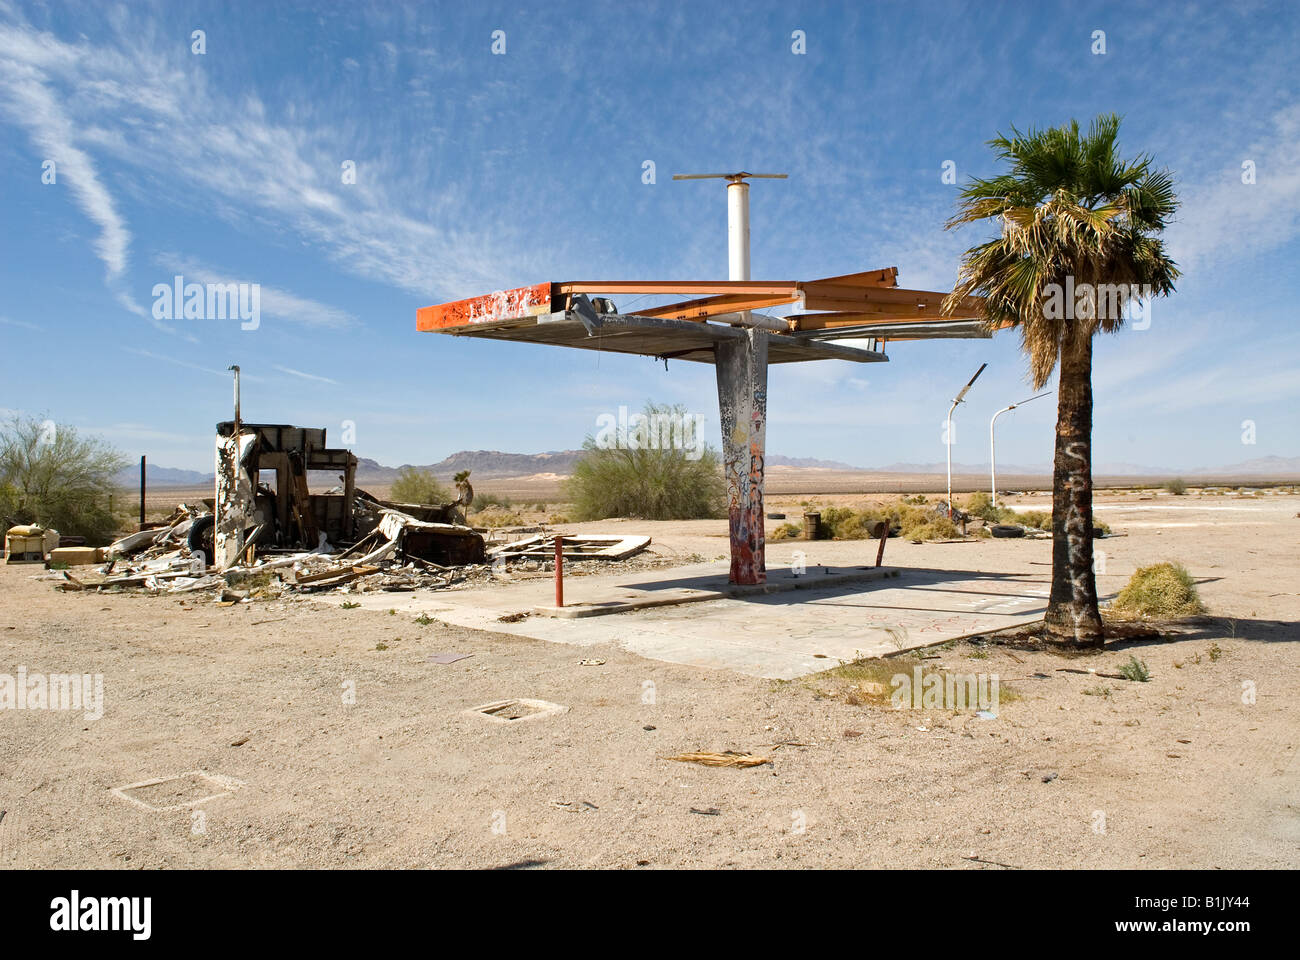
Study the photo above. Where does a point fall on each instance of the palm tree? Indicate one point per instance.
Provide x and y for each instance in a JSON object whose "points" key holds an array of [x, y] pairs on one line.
{"points": [[1079, 239]]}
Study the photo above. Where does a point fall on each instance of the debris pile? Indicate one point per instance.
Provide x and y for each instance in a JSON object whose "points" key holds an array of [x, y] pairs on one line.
{"points": [[401, 554]]}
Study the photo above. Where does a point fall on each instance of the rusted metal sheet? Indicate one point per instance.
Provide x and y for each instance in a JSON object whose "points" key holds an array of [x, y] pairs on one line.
{"points": [[713, 306], [494, 307], [887, 277], [855, 298], [755, 287], [895, 301]]}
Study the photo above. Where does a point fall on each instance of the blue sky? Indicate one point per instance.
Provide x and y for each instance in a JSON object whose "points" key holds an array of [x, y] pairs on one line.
{"points": [[477, 171]]}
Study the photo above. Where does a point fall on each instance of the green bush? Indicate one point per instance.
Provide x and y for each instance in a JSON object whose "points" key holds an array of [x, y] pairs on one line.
{"points": [[1176, 486], [908, 521], [981, 505], [652, 482], [786, 531], [485, 500], [1039, 519], [1135, 670], [1160, 590], [940, 528], [498, 518], [50, 475], [414, 485]]}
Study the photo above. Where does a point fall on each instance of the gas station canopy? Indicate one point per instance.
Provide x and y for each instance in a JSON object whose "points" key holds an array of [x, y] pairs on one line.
{"points": [[867, 306], [719, 325]]}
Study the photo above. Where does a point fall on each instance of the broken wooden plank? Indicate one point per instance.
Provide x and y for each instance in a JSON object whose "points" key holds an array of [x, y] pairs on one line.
{"points": [[324, 575]]}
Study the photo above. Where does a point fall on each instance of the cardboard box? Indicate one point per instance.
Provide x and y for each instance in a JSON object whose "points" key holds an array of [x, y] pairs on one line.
{"points": [[75, 556]]}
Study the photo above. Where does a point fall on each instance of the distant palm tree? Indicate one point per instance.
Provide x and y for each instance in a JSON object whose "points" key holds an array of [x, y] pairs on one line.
{"points": [[1079, 240]]}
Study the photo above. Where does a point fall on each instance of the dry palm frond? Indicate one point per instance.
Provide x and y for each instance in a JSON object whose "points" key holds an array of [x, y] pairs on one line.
{"points": [[727, 758]]}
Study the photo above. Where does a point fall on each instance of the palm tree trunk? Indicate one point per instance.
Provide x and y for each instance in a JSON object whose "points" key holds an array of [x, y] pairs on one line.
{"points": [[1072, 615]]}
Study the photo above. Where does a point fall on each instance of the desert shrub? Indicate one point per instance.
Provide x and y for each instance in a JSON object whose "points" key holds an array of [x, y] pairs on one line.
{"points": [[981, 505], [859, 526], [485, 501], [1038, 519], [52, 476], [1160, 590], [911, 522], [496, 517], [832, 523], [651, 482], [1176, 486], [786, 531], [940, 528], [414, 485], [1135, 670], [845, 523]]}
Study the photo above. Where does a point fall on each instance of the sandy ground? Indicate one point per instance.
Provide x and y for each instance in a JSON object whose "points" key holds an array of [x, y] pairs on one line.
{"points": [[1178, 771]]}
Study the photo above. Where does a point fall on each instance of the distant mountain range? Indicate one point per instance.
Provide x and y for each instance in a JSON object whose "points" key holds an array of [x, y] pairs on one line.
{"points": [[1259, 467], [156, 476], [494, 464], [481, 463]]}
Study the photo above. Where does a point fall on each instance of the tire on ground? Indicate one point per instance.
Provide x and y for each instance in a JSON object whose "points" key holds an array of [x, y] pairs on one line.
{"points": [[200, 538]]}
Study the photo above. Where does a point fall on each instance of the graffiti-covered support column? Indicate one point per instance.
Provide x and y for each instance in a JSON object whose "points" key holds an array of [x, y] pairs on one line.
{"points": [[742, 405], [234, 498]]}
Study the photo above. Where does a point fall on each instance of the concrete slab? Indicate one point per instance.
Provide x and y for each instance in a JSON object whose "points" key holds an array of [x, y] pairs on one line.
{"points": [[779, 634], [606, 598]]}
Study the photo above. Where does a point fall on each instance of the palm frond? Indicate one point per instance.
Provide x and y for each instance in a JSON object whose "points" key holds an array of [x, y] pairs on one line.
{"points": [[1067, 206]]}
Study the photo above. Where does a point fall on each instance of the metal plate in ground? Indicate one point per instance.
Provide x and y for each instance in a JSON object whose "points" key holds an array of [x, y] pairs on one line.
{"points": [[179, 792], [517, 710]]}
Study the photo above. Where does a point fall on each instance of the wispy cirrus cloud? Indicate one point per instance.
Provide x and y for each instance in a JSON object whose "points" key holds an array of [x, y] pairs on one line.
{"points": [[189, 365], [305, 376], [134, 98], [28, 101], [275, 303], [1226, 218]]}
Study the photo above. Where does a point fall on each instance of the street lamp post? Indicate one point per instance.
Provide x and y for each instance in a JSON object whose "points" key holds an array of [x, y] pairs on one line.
{"points": [[948, 434], [993, 458]]}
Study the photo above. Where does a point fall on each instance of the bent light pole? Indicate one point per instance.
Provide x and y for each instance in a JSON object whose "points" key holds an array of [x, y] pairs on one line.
{"points": [[741, 366], [993, 457], [947, 437]]}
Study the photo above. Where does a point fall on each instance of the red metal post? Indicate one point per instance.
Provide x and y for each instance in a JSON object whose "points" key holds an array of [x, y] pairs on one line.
{"points": [[882, 532], [559, 571]]}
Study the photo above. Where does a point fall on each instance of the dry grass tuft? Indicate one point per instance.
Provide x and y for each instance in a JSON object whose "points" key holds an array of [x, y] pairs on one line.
{"points": [[1160, 590]]}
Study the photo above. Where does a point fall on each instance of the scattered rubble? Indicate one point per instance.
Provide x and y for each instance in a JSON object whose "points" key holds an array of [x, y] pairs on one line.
{"points": [[263, 540], [400, 553]]}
